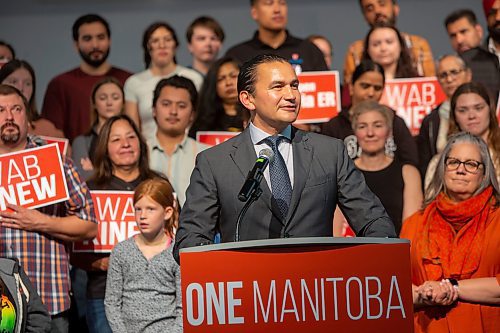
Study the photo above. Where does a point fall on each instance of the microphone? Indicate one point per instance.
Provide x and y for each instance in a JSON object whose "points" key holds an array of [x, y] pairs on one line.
{"points": [[255, 175]]}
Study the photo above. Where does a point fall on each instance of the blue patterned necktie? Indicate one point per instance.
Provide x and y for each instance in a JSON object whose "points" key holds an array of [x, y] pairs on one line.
{"points": [[280, 180]]}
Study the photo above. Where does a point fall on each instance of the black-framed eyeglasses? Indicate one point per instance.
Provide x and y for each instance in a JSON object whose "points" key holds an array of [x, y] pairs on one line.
{"points": [[471, 166], [451, 73]]}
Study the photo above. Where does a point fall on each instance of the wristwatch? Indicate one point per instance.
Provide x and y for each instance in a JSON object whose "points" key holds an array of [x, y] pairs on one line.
{"points": [[453, 281]]}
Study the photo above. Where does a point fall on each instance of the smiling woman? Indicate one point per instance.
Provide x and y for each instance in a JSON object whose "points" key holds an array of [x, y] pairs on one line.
{"points": [[395, 182], [455, 242], [473, 111], [120, 164]]}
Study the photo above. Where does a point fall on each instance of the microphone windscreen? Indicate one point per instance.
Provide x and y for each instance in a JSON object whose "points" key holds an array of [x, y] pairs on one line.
{"points": [[267, 153]]}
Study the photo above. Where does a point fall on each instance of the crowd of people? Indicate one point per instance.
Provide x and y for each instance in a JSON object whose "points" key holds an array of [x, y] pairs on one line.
{"points": [[137, 132]]}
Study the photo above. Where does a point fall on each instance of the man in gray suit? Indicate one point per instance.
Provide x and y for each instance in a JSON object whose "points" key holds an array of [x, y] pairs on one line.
{"points": [[308, 176]]}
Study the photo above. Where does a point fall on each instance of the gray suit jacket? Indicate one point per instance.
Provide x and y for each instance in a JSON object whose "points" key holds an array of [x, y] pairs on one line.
{"points": [[324, 175]]}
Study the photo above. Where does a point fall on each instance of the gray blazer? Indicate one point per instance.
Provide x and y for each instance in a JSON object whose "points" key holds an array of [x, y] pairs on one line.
{"points": [[324, 176]]}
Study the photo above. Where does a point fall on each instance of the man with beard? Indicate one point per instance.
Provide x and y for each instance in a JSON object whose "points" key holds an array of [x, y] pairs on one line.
{"points": [[67, 99], [465, 37], [272, 37], [463, 29], [385, 12], [39, 238], [492, 12]]}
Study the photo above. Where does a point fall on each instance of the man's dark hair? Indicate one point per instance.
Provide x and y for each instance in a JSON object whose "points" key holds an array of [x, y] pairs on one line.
{"points": [[11, 49], [459, 14], [248, 72], [393, 1], [178, 82], [206, 22], [86, 19]]}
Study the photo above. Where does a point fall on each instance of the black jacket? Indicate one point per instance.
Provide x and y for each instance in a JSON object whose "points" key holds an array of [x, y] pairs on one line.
{"points": [[485, 69], [31, 314], [427, 139]]}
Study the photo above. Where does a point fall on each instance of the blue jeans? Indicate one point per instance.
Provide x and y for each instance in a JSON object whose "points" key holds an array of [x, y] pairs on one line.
{"points": [[96, 316]]}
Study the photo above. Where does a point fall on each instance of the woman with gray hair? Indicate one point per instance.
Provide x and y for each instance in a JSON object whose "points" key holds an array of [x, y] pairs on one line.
{"points": [[396, 183], [455, 243]]}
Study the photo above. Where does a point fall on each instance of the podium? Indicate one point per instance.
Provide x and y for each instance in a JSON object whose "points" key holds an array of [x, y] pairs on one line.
{"points": [[312, 285]]}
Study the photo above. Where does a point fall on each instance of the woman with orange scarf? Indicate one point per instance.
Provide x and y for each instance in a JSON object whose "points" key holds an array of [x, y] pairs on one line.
{"points": [[455, 243]]}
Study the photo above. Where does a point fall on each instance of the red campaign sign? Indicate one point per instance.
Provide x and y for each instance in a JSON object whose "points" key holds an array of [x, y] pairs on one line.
{"points": [[61, 142], [320, 96], [115, 214], [32, 178], [213, 138], [293, 290], [413, 99]]}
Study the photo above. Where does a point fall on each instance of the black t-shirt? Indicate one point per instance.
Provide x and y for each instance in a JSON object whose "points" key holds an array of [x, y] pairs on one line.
{"points": [[229, 123], [388, 186], [299, 52]]}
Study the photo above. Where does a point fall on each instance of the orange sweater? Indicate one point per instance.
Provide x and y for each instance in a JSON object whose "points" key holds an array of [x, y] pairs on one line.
{"points": [[464, 317]]}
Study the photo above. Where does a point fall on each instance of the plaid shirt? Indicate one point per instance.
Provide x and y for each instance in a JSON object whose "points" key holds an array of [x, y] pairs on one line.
{"points": [[44, 258]]}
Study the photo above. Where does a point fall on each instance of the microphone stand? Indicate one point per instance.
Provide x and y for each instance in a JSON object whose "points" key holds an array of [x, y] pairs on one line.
{"points": [[253, 197]]}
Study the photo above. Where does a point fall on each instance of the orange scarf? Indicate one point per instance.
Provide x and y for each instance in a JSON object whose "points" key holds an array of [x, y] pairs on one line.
{"points": [[450, 253]]}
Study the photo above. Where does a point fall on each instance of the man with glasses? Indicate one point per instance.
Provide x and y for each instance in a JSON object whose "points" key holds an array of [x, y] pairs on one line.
{"points": [[452, 71]]}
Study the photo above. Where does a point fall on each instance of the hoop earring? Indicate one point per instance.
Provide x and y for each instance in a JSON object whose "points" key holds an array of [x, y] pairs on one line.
{"points": [[390, 147]]}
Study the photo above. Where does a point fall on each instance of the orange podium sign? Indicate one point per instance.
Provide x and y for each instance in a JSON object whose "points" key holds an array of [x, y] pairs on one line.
{"points": [[115, 213], [32, 178], [413, 99], [320, 95], [312, 285], [213, 138]]}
